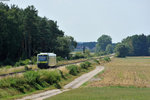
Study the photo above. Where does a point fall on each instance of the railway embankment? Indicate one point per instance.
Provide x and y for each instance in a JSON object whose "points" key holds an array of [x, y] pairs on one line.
{"points": [[40, 80]]}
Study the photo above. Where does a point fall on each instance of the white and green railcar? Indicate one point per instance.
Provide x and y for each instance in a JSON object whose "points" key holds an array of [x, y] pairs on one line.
{"points": [[46, 60]]}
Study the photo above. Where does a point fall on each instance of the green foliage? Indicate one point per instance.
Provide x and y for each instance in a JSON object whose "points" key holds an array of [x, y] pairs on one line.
{"points": [[24, 34], [102, 42], [107, 59], [121, 50], [104, 93], [85, 65], [109, 49], [64, 46], [60, 58], [95, 60], [138, 45], [78, 55], [87, 53], [31, 80], [8, 66], [32, 77], [73, 69], [34, 60], [23, 62], [101, 53]]}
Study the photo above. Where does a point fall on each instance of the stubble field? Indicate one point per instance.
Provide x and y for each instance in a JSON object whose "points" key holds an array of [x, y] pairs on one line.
{"points": [[130, 71]]}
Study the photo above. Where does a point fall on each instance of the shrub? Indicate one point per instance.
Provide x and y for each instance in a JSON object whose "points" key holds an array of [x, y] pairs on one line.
{"points": [[73, 69], [51, 77], [107, 59], [8, 66], [23, 62], [121, 50], [78, 55], [60, 58], [33, 60], [85, 65], [95, 60], [88, 64], [101, 53]]}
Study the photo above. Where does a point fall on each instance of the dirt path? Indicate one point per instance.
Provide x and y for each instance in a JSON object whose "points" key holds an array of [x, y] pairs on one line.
{"points": [[74, 84]]}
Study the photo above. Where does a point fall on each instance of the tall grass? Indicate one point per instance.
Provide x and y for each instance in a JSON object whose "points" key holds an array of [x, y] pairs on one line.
{"points": [[30, 81], [37, 80]]}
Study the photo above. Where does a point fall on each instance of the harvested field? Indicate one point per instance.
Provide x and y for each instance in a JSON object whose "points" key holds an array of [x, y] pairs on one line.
{"points": [[130, 71]]}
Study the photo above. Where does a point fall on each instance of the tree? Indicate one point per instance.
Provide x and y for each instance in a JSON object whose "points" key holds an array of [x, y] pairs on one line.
{"points": [[109, 49], [138, 45], [102, 42], [148, 43], [30, 29], [23, 34], [121, 50], [64, 46]]}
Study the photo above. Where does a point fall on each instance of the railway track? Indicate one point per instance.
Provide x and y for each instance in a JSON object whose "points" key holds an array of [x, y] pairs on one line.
{"points": [[57, 66]]}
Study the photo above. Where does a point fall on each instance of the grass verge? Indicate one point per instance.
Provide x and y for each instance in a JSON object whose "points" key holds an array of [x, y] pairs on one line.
{"points": [[33, 81], [104, 93]]}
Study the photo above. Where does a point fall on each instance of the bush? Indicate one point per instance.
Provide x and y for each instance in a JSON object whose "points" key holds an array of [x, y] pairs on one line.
{"points": [[88, 64], [23, 62], [101, 53], [85, 65], [95, 60], [73, 69], [33, 60], [107, 59], [60, 58], [8, 66], [51, 77], [121, 50], [78, 55]]}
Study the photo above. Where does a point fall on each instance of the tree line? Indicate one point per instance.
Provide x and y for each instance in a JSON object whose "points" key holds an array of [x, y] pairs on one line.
{"points": [[136, 45], [23, 34]]}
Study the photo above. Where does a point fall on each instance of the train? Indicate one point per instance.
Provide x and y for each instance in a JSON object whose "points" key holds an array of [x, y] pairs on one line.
{"points": [[46, 60]]}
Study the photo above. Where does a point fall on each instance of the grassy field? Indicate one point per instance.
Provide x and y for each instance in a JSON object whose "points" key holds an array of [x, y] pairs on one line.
{"points": [[104, 93], [123, 79]]}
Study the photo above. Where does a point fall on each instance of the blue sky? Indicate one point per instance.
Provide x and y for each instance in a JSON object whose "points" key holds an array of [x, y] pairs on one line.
{"points": [[87, 20]]}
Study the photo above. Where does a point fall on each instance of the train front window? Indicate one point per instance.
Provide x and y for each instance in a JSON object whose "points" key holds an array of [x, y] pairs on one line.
{"points": [[42, 58]]}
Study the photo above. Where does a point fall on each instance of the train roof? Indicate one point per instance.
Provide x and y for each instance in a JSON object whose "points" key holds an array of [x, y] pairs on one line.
{"points": [[49, 54]]}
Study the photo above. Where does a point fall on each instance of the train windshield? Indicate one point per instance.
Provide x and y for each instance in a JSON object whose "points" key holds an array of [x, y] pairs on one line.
{"points": [[42, 58]]}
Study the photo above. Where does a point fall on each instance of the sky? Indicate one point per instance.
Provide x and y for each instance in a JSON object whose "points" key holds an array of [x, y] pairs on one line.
{"points": [[87, 20]]}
